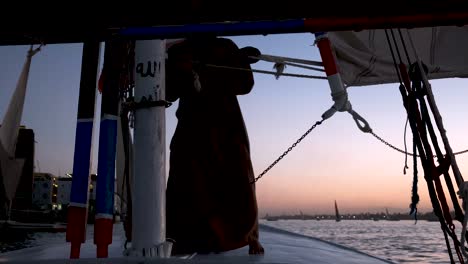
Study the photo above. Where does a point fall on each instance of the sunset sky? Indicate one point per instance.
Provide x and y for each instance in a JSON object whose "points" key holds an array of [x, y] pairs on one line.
{"points": [[335, 161]]}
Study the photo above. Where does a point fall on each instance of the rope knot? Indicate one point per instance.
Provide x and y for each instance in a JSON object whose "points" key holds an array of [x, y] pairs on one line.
{"points": [[279, 67], [341, 101], [362, 124]]}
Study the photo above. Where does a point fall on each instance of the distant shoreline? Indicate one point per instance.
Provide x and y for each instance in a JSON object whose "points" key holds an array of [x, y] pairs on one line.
{"points": [[429, 216]]}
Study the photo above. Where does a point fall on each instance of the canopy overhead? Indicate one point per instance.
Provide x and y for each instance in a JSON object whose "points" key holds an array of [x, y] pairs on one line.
{"points": [[364, 58], [70, 23]]}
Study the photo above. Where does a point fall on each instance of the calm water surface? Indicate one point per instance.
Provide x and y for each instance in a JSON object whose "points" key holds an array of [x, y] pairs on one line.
{"points": [[397, 241]]}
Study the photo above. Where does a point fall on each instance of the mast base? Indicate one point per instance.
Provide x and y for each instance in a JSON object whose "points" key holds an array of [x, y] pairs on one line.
{"points": [[163, 250]]}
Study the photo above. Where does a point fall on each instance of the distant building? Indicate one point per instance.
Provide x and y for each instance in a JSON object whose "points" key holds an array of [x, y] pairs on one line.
{"points": [[63, 191], [24, 150], [44, 193]]}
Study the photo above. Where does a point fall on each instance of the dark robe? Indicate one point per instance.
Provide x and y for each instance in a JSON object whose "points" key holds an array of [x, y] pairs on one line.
{"points": [[211, 204]]}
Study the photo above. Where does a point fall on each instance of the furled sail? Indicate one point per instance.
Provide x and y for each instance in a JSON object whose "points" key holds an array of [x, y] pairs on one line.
{"points": [[11, 168], [124, 164], [364, 57]]}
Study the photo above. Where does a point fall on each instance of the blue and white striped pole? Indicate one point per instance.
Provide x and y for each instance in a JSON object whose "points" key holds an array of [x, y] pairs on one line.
{"points": [[107, 147], [78, 209]]}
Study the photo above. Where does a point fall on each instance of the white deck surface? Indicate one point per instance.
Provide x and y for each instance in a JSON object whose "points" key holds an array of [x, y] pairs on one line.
{"points": [[280, 247]]}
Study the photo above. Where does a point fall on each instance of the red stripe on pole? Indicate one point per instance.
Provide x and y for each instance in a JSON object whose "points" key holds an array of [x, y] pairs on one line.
{"points": [[103, 236], [76, 229], [336, 23], [327, 56]]}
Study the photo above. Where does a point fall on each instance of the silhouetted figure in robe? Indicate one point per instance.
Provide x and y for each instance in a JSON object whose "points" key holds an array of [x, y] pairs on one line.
{"points": [[211, 203]]}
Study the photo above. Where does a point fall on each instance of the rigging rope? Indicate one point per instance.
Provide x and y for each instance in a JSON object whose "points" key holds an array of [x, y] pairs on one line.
{"points": [[404, 143], [420, 126], [279, 59], [437, 116], [365, 127], [456, 171], [267, 72], [301, 66]]}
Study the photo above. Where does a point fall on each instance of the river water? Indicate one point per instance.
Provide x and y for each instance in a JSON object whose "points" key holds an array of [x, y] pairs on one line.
{"points": [[397, 241]]}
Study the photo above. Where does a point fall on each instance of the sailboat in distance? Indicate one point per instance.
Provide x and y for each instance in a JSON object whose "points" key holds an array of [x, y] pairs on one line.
{"points": [[338, 217]]}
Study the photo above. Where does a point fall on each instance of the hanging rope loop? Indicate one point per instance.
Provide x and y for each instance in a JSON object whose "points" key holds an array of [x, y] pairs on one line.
{"points": [[362, 124]]}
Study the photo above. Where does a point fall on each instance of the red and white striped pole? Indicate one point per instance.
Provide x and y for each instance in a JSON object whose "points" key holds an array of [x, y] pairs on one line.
{"points": [[338, 91], [337, 88]]}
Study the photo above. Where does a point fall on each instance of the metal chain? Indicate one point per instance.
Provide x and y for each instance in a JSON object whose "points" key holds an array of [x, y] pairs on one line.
{"points": [[287, 151], [319, 123], [393, 147], [408, 153]]}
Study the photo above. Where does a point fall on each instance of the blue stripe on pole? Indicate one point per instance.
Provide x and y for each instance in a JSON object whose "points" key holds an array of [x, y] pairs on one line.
{"points": [[231, 28], [106, 167], [81, 162]]}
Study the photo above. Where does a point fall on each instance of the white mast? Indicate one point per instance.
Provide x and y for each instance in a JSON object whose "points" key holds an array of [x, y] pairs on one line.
{"points": [[149, 200]]}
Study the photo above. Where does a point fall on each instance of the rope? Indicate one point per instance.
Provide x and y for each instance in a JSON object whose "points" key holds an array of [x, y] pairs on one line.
{"points": [[461, 184], [268, 72], [404, 143], [393, 57], [406, 124], [414, 188], [279, 59], [437, 116], [443, 161], [364, 127], [396, 46], [404, 47], [302, 66], [279, 67], [420, 125]]}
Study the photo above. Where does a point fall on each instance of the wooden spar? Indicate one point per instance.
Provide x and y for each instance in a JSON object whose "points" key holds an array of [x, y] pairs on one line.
{"points": [[319, 16], [294, 26]]}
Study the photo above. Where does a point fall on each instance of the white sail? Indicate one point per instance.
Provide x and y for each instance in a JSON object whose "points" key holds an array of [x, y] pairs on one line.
{"points": [[10, 173], [364, 57], [11, 168]]}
